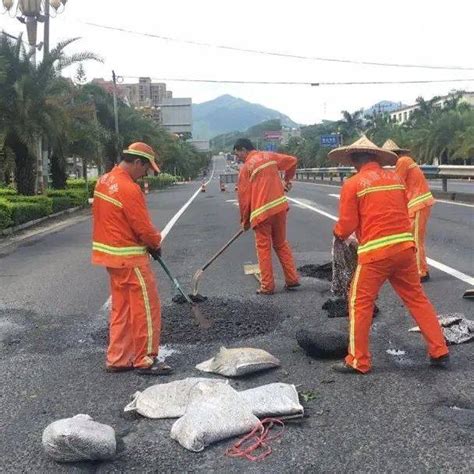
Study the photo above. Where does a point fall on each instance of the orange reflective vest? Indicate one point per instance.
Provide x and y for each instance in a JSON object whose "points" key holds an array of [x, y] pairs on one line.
{"points": [[373, 204], [418, 190], [260, 188], [122, 228]]}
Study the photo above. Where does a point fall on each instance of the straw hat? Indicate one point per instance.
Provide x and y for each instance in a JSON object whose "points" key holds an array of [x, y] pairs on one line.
{"points": [[392, 146], [342, 154]]}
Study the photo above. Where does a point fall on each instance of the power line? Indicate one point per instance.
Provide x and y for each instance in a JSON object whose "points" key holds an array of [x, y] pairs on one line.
{"points": [[300, 83], [280, 54]]}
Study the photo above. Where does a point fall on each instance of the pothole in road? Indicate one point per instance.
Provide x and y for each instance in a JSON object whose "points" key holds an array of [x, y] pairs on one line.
{"points": [[323, 272], [230, 320]]}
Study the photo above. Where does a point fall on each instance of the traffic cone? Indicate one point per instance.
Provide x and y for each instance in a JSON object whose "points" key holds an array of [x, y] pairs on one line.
{"points": [[222, 186], [146, 187], [203, 186]]}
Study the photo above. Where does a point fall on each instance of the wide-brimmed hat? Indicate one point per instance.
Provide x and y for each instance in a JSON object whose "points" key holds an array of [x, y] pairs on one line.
{"points": [[142, 150], [392, 146], [343, 154]]}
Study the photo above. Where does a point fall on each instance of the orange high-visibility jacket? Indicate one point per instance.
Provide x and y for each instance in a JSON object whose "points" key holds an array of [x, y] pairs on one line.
{"points": [[260, 189], [418, 191], [122, 228], [373, 204]]}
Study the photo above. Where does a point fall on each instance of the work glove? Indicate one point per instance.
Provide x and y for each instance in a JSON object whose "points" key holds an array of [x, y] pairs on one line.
{"points": [[352, 240], [245, 225], [287, 185], [155, 253]]}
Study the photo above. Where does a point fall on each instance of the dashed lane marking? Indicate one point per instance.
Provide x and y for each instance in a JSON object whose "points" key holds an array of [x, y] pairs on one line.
{"points": [[440, 266], [335, 195]]}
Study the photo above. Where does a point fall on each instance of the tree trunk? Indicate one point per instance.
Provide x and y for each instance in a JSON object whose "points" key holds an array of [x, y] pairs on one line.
{"points": [[25, 166], [58, 171]]}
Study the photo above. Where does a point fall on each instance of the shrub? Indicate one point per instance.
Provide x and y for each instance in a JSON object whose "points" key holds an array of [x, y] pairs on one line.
{"points": [[80, 185], [160, 181], [7, 192], [5, 214], [41, 202], [25, 211], [78, 197], [61, 203]]}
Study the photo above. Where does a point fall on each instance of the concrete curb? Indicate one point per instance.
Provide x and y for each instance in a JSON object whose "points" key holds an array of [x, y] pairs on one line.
{"points": [[27, 225], [448, 196]]}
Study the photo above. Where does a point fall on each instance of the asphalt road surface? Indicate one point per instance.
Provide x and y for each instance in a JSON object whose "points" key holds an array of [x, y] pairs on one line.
{"points": [[402, 417]]}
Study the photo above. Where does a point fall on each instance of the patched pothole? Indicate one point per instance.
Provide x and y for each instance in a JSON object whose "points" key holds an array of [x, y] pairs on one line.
{"points": [[323, 272], [230, 320]]}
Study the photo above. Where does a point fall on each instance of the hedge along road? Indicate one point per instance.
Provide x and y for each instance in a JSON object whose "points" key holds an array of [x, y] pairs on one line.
{"points": [[400, 417]]}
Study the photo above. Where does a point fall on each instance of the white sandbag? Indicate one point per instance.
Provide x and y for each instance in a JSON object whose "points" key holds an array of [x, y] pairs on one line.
{"points": [[167, 400], [79, 438], [240, 361], [215, 412], [274, 399]]}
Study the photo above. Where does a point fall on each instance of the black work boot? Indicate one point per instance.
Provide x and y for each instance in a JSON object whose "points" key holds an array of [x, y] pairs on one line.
{"points": [[344, 368], [440, 362]]}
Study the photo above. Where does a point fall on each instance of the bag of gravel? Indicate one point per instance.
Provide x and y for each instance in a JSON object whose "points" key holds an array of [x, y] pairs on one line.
{"points": [[344, 263], [274, 400], [214, 412], [167, 400], [239, 361], [79, 438]]}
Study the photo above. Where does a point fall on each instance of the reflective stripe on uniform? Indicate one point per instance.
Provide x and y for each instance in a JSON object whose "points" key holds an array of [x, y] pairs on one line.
{"points": [[107, 198], [374, 189], [260, 168], [384, 241], [423, 197], [352, 301], [417, 240], [146, 301], [120, 251], [267, 207]]}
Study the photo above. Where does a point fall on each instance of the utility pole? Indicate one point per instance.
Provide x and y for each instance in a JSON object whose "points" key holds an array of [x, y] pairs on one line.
{"points": [[43, 174], [117, 157]]}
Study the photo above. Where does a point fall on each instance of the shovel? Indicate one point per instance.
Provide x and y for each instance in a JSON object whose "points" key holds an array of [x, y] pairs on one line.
{"points": [[197, 275], [200, 318]]}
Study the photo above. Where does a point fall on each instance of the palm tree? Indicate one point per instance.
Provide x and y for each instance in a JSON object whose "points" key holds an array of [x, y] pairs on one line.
{"points": [[33, 102], [352, 125]]}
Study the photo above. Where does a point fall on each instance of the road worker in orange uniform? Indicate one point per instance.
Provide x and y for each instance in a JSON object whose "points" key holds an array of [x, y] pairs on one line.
{"points": [[373, 205], [123, 240], [420, 201], [263, 207]]}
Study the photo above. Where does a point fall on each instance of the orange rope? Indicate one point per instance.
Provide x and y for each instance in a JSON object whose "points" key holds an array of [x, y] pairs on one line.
{"points": [[257, 439]]}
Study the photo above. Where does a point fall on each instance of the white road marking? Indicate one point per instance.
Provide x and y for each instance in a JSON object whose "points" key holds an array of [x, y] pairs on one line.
{"points": [[455, 203], [440, 266], [335, 195], [168, 227]]}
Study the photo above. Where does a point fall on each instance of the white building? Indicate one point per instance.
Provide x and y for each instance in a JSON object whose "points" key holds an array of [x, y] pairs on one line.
{"points": [[177, 115]]}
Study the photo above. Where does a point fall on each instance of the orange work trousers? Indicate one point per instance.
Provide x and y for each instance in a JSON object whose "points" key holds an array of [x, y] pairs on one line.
{"points": [[272, 233], [419, 223], [402, 273], [135, 317]]}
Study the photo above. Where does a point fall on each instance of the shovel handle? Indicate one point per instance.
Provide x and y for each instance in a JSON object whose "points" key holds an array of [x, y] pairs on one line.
{"points": [[228, 244], [174, 280]]}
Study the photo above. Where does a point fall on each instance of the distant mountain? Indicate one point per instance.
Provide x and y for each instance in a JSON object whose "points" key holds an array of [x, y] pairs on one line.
{"points": [[383, 107], [227, 114]]}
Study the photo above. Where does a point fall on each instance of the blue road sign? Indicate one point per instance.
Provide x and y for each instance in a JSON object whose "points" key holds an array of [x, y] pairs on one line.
{"points": [[271, 147], [331, 141]]}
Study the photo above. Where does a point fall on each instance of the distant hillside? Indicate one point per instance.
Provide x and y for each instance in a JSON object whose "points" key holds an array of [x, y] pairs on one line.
{"points": [[228, 114]]}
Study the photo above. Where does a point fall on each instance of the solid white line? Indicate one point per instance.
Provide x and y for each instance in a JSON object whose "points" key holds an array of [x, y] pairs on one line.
{"points": [[455, 203], [311, 208], [440, 266]]}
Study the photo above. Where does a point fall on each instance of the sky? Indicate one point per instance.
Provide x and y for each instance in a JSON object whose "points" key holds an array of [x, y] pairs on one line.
{"points": [[427, 32]]}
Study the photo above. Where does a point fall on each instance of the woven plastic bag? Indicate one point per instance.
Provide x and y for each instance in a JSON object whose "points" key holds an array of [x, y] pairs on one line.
{"points": [[167, 400], [214, 412], [275, 400], [79, 438], [344, 264], [239, 361]]}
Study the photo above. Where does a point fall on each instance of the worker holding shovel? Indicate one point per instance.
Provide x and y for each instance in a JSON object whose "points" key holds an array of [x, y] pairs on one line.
{"points": [[123, 238], [263, 207]]}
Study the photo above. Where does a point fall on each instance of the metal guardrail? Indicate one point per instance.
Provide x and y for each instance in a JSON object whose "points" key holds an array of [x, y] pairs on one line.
{"points": [[443, 172]]}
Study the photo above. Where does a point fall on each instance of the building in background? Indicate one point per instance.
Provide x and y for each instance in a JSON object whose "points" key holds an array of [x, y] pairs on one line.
{"points": [[201, 145], [153, 100]]}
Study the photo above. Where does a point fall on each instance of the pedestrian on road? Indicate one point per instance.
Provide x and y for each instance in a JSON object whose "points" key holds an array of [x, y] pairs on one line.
{"points": [[123, 240], [373, 204], [263, 207], [420, 201]]}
